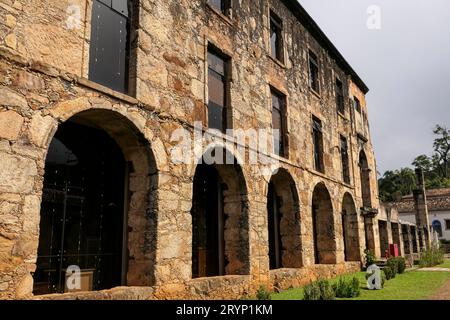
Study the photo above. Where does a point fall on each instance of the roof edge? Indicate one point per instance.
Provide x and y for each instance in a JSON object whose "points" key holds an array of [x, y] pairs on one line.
{"points": [[309, 23]]}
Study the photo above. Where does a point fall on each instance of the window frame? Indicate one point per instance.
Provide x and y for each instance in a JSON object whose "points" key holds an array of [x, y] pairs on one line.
{"points": [[345, 169], [226, 11], [447, 224], [313, 59], [318, 149], [340, 99], [227, 120], [284, 146], [275, 20]]}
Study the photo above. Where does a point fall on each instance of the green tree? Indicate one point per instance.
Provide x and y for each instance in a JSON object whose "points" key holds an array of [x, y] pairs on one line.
{"points": [[442, 150]]}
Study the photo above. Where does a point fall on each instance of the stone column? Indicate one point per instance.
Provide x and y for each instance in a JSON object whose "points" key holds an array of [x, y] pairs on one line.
{"points": [[421, 208]]}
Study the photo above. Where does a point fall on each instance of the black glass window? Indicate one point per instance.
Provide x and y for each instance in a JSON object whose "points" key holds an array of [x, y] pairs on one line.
{"points": [[318, 145], [340, 97], [221, 5], [314, 72], [109, 48], [217, 91], [345, 160], [278, 123], [276, 38]]}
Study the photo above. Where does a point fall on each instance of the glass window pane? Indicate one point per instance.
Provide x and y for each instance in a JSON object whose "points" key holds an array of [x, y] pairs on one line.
{"points": [[216, 88]]}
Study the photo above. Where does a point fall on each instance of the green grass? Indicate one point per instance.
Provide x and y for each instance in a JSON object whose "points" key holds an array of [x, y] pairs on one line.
{"points": [[414, 285], [446, 264]]}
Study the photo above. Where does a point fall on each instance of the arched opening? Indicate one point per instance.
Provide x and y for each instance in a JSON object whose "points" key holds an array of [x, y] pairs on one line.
{"points": [[350, 229], [99, 172], [323, 226], [413, 231], [283, 222], [437, 226], [365, 180], [406, 238], [220, 240]]}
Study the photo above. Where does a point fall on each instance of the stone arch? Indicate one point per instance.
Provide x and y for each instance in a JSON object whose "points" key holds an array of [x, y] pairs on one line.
{"points": [[139, 187], [350, 229], [220, 222], [324, 236], [365, 170], [283, 209]]}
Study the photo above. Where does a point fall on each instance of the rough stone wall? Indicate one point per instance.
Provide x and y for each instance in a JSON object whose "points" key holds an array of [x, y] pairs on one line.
{"points": [[43, 70]]}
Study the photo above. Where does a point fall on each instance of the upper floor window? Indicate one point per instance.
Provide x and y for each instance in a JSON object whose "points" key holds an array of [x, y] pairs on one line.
{"points": [[345, 160], [217, 90], [223, 6], [318, 145], [276, 37], [314, 72], [357, 105], [279, 123], [447, 224], [340, 97], [110, 43]]}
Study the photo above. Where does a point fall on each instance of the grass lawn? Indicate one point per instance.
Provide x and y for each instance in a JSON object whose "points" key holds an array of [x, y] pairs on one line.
{"points": [[413, 285], [446, 264]]}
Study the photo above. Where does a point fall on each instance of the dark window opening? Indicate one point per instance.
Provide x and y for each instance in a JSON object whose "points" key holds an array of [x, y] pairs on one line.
{"points": [[217, 91], [318, 145], [208, 224], [224, 6], [447, 224], [357, 105], [365, 180], [314, 72], [276, 37], [345, 160], [340, 97], [414, 239], [82, 211], [275, 244], [110, 43], [279, 123]]}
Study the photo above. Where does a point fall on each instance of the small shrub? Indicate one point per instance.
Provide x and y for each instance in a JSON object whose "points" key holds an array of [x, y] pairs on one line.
{"points": [[347, 288], [326, 291], [393, 264], [263, 293], [319, 290], [311, 292], [370, 258], [388, 273], [431, 257], [401, 265]]}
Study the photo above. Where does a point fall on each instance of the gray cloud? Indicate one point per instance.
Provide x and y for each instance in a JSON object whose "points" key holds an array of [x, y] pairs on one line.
{"points": [[406, 65]]}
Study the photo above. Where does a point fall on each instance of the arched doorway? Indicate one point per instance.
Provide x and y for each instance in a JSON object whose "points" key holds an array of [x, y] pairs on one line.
{"points": [[89, 212], [220, 240], [283, 222], [323, 226], [350, 228], [437, 226]]}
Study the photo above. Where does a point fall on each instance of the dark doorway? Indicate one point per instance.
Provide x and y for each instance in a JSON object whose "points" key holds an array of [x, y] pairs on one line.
{"points": [[273, 208], [323, 226], [82, 211], [384, 240], [207, 223]]}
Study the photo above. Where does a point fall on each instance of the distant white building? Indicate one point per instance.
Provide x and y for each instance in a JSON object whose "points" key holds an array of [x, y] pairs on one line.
{"points": [[438, 211]]}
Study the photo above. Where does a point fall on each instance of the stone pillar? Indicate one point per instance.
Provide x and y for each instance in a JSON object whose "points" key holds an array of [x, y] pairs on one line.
{"points": [[421, 208]]}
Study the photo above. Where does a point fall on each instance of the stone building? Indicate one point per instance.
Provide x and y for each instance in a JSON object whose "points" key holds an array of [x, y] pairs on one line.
{"points": [[95, 97]]}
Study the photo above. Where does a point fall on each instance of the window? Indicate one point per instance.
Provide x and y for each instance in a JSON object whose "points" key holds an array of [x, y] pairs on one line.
{"points": [[437, 227], [276, 37], [110, 44], [217, 90], [223, 6], [318, 145], [340, 97], [345, 161], [447, 224], [314, 72], [279, 123], [357, 105]]}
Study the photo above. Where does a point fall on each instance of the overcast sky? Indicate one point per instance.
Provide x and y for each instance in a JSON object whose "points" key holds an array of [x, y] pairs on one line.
{"points": [[406, 65]]}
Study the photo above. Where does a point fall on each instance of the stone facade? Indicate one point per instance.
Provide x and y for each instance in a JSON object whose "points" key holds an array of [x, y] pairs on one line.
{"points": [[43, 84]]}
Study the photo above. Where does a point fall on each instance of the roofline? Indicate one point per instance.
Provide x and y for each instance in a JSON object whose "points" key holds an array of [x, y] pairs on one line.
{"points": [[309, 23]]}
